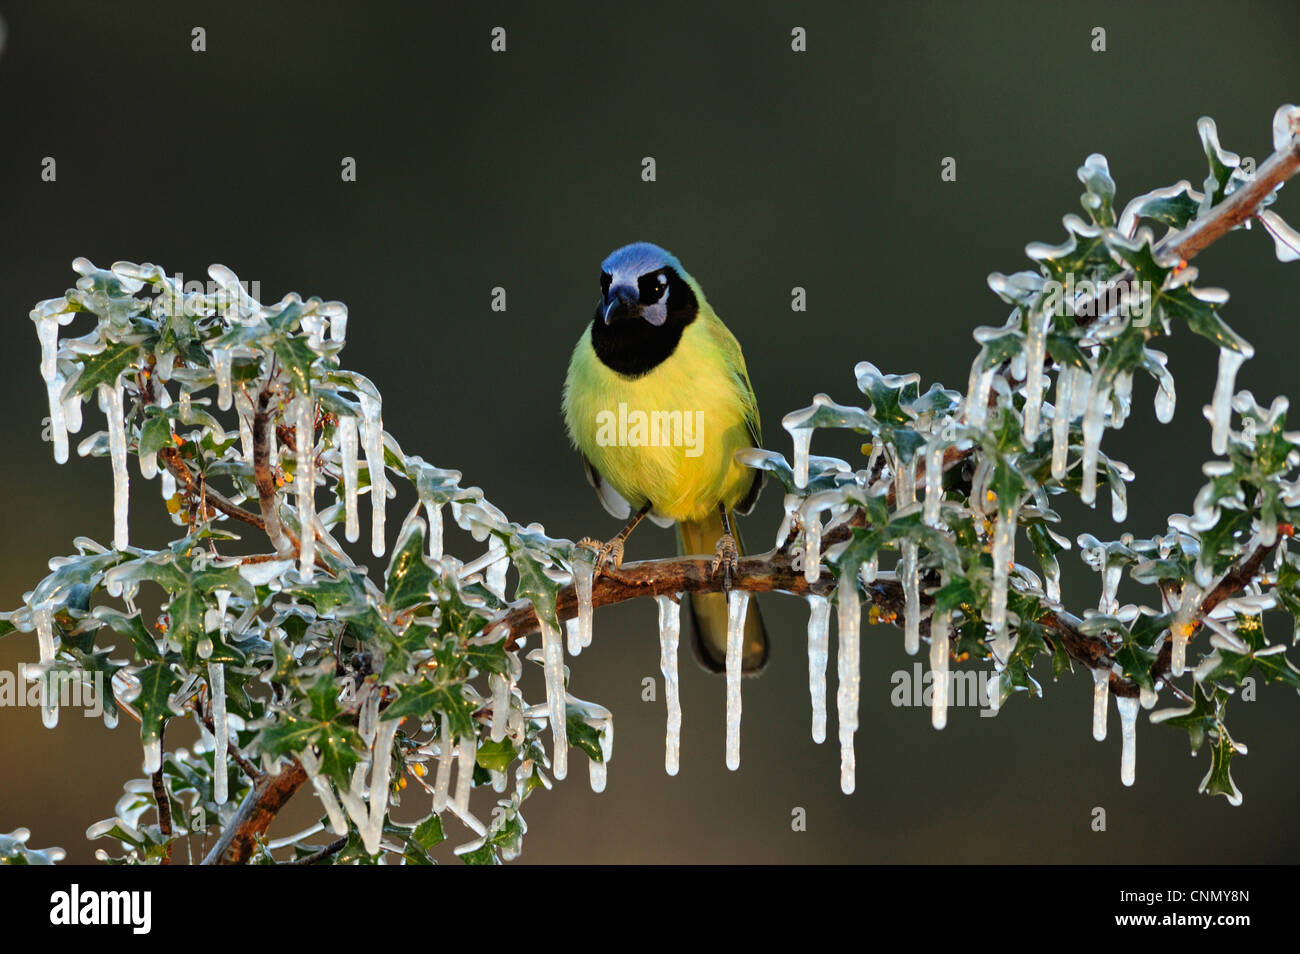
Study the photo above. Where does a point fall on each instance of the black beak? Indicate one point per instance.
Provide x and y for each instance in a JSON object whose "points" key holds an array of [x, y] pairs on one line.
{"points": [[620, 302]]}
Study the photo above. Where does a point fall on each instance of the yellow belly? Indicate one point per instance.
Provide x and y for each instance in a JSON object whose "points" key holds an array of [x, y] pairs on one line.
{"points": [[668, 437]]}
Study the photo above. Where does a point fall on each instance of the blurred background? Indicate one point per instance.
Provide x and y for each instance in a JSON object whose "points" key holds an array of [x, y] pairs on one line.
{"points": [[775, 169]]}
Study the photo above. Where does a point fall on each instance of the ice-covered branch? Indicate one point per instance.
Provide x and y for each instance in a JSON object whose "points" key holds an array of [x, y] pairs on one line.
{"points": [[255, 814]]}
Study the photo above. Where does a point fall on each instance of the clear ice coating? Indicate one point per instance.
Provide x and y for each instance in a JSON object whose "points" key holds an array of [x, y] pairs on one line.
{"points": [[911, 578], [812, 546], [1035, 354], [933, 480], [553, 663], [1003, 552], [43, 619], [1065, 382], [442, 781], [1286, 125], [819, 614], [500, 705], [220, 734], [466, 756], [1128, 712], [110, 402], [1221, 403], [1286, 240], [347, 435], [304, 420], [221, 367], [372, 441], [434, 510], [583, 574], [850, 676], [338, 822], [737, 608], [802, 440], [495, 575], [981, 382], [669, 634], [1100, 699], [939, 632], [1094, 421], [47, 329], [1189, 606]]}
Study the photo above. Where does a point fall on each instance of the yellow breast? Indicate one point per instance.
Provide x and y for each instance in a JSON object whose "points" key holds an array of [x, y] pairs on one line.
{"points": [[670, 436]]}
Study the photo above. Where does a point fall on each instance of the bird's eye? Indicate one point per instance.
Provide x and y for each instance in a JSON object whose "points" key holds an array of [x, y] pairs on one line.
{"points": [[605, 279], [653, 287]]}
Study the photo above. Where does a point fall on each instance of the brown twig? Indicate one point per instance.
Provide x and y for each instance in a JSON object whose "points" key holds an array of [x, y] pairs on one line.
{"points": [[267, 496], [333, 848], [255, 814], [163, 803]]}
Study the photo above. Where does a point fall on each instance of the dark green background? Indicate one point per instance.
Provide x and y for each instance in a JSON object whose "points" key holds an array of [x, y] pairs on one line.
{"points": [[774, 170]]}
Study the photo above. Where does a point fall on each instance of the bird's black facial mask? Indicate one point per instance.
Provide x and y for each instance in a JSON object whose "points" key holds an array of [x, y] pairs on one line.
{"points": [[640, 319]]}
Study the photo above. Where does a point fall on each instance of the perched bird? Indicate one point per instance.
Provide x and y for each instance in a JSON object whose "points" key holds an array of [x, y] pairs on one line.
{"points": [[658, 401]]}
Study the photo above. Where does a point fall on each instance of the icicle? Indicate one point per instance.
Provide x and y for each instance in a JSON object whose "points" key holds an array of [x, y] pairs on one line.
{"points": [[1221, 403], [347, 434], [981, 382], [850, 675], [495, 575], [167, 485], [381, 767], [43, 618], [598, 772], [939, 669], [737, 608], [571, 638], [1035, 353], [372, 440], [819, 613], [338, 821], [304, 481], [47, 329], [669, 633], [1110, 577], [812, 548], [911, 599], [583, 573], [1147, 697], [110, 401], [221, 732], [802, 438], [1003, 553], [1065, 382], [152, 755], [870, 567], [1100, 697], [1183, 623], [1128, 712], [553, 659], [442, 783], [221, 367], [933, 480], [500, 705], [434, 510], [1093, 424], [1166, 396], [465, 758], [72, 413]]}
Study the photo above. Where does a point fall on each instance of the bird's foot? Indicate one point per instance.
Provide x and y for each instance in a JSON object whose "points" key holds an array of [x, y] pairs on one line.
{"points": [[727, 558], [608, 555]]}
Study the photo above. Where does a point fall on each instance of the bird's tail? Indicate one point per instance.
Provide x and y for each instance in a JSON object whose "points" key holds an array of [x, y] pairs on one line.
{"points": [[708, 611]]}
